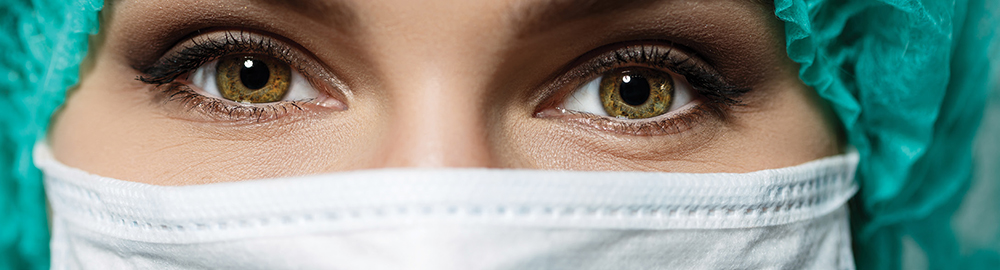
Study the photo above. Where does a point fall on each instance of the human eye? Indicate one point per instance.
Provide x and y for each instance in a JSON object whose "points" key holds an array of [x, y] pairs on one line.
{"points": [[646, 89], [240, 76]]}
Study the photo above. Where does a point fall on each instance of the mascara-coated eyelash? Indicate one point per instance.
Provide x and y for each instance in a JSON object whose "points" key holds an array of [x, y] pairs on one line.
{"points": [[170, 76], [712, 94]]}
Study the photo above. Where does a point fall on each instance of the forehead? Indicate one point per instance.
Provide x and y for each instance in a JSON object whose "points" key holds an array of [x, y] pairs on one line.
{"points": [[515, 13], [352, 14], [155, 21]]}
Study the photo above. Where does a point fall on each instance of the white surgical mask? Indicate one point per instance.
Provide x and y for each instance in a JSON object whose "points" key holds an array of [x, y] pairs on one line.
{"points": [[789, 218]]}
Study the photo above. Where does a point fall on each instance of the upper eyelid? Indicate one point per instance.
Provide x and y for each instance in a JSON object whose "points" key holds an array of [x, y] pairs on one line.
{"points": [[209, 45], [703, 77], [202, 48]]}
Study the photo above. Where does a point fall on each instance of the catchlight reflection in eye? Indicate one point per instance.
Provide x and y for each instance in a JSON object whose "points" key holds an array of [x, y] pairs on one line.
{"points": [[252, 79], [631, 93]]}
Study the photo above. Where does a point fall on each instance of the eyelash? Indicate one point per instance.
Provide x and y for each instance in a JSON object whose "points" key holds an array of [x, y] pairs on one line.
{"points": [[165, 72], [715, 94]]}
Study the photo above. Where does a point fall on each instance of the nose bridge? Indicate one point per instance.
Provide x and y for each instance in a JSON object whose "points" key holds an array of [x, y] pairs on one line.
{"points": [[436, 121], [434, 67], [434, 99]]}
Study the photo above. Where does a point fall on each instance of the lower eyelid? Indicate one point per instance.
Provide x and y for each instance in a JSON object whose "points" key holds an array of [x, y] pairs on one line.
{"points": [[183, 102], [685, 118], [318, 100]]}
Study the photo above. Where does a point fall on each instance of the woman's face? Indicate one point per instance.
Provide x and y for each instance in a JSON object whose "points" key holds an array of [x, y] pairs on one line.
{"points": [[188, 91]]}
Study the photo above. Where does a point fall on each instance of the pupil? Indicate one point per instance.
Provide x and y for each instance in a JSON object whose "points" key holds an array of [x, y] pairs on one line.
{"points": [[254, 74], [634, 90]]}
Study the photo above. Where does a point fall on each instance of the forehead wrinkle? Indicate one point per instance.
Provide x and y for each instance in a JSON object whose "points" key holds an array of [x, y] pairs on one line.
{"points": [[336, 13]]}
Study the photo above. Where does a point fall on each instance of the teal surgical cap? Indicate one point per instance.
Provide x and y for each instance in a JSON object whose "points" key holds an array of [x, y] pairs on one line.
{"points": [[909, 81], [912, 83], [41, 47]]}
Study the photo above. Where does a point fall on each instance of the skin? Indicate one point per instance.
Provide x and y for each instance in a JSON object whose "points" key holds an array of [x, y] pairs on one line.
{"points": [[435, 83]]}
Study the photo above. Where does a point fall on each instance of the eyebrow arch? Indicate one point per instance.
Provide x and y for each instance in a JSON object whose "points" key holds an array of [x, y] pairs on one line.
{"points": [[542, 15], [539, 16], [336, 13]]}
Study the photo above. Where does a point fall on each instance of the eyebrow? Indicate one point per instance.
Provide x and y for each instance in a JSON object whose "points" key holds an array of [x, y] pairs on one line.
{"points": [[539, 16], [337, 13]]}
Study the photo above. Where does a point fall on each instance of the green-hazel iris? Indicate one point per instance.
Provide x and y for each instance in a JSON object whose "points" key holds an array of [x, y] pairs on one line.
{"points": [[252, 79], [636, 93]]}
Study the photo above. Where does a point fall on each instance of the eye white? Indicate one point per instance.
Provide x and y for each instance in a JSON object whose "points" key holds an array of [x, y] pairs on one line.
{"points": [[587, 98], [299, 88]]}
